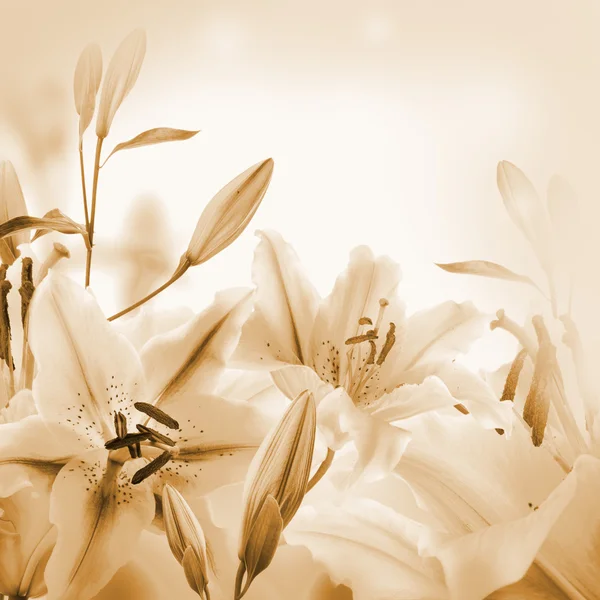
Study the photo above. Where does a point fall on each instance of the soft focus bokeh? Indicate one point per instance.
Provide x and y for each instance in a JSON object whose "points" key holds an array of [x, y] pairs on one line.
{"points": [[385, 120]]}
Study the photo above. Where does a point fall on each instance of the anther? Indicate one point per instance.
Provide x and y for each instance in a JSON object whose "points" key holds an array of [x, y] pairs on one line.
{"points": [[365, 321], [152, 467], [390, 340], [128, 440], [120, 425], [158, 415], [537, 404], [512, 379], [27, 288], [5, 349], [371, 357], [155, 436], [358, 339]]}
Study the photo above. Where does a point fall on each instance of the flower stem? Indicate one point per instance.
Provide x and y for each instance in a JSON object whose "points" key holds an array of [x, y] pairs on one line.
{"points": [[181, 269], [92, 220], [321, 470], [83, 187]]}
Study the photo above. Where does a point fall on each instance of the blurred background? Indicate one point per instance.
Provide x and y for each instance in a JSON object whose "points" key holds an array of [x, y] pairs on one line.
{"points": [[386, 120]]}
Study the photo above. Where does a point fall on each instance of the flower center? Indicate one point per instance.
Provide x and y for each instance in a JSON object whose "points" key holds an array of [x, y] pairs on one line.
{"points": [[363, 364], [146, 436]]}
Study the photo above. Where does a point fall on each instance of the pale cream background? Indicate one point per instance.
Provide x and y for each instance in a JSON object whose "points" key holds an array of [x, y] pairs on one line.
{"points": [[385, 119]]}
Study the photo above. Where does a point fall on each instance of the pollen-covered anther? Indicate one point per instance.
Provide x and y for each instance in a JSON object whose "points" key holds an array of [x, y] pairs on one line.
{"points": [[158, 415], [512, 379], [129, 439], [152, 467], [390, 340], [537, 404], [359, 339], [365, 321], [372, 353], [155, 436], [120, 424], [27, 288]]}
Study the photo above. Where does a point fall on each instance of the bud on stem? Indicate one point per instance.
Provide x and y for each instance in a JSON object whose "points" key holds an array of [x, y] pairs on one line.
{"points": [[276, 483]]}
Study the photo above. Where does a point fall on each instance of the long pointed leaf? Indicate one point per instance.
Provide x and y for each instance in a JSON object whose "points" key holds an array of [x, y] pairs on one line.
{"points": [[159, 135], [486, 268]]}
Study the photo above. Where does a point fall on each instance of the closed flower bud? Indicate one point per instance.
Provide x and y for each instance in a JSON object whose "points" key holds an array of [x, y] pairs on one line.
{"points": [[228, 213], [186, 540], [275, 486], [121, 75], [12, 204]]}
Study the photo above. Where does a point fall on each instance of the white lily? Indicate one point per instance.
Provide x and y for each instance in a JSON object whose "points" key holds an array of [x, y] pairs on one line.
{"points": [[367, 365], [91, 391], [509, 520]]}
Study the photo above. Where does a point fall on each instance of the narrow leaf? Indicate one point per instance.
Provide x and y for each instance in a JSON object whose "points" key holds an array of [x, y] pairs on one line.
{"points": [[86, 83], [121, 75], [486, 268], [160, 135], [60, 224]]}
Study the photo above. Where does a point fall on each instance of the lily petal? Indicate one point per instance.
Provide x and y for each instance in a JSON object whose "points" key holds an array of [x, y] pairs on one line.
{"points": [[468, 476], [439, 334], [379, 444], [369, 547], [567, 522], [191, 358], [36, 443], [285, 308], [217, 440], [99, 515], [86, 369]]}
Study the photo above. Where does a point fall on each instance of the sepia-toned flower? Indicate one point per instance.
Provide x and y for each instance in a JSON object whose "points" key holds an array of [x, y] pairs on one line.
{"points": [[367, 364], [91, 393]]}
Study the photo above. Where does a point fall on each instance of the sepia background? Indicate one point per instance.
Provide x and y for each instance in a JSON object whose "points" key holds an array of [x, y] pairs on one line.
{"points": [[386, 121]]}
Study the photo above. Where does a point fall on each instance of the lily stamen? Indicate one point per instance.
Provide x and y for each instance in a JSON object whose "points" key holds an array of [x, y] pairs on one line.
{"points": [[390, 340], [158, 415], [512, 379], [152, 467], [120, 424], [382, 306], [129, 439], [155, 436]]}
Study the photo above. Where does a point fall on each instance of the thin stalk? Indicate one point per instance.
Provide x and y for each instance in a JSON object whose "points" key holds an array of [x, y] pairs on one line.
{"points": [[92, 221], [183, 267], [320, 472], [83, 187]]}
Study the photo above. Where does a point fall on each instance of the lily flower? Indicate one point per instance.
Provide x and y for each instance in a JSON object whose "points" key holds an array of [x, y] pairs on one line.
{"points": [[367, 365], [529, 500], [115, 426]]}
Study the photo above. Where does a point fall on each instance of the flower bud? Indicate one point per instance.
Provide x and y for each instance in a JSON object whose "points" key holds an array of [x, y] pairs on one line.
{"points": [[186, 540], [12, 204], [275, 486], [86, 83], [121, 75], [228, 213]]}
